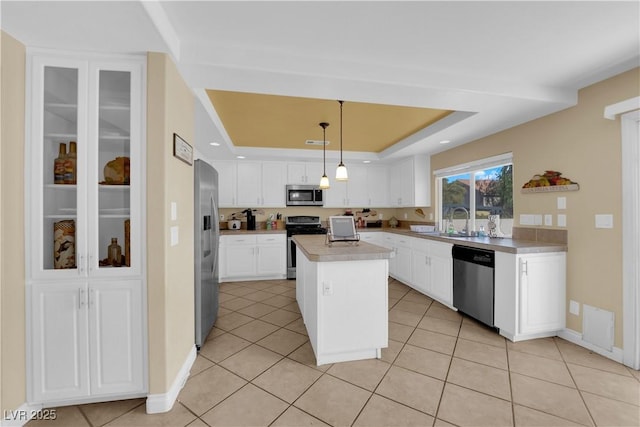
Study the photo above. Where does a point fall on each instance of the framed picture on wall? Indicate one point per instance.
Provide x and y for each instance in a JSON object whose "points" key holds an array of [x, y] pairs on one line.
{"points": [[182, 150]]}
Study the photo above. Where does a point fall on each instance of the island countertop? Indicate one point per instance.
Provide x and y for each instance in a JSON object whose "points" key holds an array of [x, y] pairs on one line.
{"points": [[315, 249]]}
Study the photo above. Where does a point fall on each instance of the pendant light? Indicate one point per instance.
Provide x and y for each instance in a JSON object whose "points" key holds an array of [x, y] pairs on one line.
{"points": [[324, 181], [341, 172]]}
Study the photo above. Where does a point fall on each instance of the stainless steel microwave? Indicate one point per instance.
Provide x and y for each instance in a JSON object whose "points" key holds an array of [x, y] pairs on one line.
{"points": [[304, 195]]}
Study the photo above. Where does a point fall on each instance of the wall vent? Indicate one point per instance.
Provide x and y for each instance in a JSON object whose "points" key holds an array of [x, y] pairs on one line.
{"points": [[597, 327], [315, 142]]}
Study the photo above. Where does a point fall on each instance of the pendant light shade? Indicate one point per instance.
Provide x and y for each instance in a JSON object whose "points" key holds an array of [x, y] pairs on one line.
{"points": [[324, 181], [341, 172]]}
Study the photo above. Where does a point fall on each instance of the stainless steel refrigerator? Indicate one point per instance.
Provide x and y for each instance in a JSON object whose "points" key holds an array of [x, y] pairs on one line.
{"points": [[206, 237]]}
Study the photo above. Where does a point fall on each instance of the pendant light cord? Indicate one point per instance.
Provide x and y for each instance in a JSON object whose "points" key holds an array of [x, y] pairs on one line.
{"points": [[341, 102], [324, 147]]}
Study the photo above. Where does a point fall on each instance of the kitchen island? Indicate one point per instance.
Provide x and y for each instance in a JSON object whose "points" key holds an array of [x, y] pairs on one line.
{"points": [[343, 297]]}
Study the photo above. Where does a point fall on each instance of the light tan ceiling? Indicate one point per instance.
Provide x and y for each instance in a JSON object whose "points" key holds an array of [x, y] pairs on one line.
{"points": [[271, 121]]}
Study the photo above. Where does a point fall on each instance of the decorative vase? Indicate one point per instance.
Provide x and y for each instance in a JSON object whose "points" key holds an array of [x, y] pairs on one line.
{"points": [[64, 244], [393, 222]]}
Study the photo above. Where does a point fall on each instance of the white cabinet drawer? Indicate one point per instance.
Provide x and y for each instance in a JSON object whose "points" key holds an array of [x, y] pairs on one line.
{"points": [[243, 239], [418, 244], [271, 239]]}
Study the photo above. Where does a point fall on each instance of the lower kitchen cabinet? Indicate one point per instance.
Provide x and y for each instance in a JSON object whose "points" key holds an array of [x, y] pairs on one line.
{"points": [[253, 256], [431, 269], [86, 340], [530, 294], [441, 272]]}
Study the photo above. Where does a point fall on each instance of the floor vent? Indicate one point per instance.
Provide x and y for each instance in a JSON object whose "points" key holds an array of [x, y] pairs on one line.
{"points": [[598, 327]]}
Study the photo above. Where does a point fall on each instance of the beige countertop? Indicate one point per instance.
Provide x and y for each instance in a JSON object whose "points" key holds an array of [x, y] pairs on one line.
{"points": [[315, 249], [244, 231], [496, 244], [515, 246]]}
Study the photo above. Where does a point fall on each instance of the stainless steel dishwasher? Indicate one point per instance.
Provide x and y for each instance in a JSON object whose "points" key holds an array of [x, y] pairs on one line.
{"points": [[473, 282]]}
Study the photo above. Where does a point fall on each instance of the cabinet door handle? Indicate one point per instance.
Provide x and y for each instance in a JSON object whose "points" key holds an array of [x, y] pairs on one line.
{"points": [[80, 265], [524, 267], [80, 298]]}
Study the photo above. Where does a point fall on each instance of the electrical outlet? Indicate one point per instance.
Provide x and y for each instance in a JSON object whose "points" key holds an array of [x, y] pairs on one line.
{"points": [[406, 216], [174, 236], [548, 220], [562, 202], [174, 211], [574, 307], [221, 217], [562, 220], [327, 288]]}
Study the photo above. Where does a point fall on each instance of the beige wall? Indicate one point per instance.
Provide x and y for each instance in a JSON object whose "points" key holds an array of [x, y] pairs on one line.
{"points": [[12, 322], [170, 268], [585, 147]]}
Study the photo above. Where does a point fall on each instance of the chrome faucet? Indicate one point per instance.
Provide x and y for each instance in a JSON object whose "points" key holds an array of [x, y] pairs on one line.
{"points": [[465, 230]]}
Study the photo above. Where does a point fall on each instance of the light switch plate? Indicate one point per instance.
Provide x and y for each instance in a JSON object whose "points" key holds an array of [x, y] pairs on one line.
{"points": [[548, 220], [574, 307], [526, 219], [562, 220], [562, 202], [174, 211], [174, 235], [604, 221]]}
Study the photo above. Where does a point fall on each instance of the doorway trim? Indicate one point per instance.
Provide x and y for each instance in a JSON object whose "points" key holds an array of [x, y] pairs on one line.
{"points": [[629, 112]]}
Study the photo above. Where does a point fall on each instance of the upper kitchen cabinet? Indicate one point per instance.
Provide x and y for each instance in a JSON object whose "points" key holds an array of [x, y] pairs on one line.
{"points": [[85, 167], [261, 184], [410, 182], [308, 173], [366, 187], [227, 179]]}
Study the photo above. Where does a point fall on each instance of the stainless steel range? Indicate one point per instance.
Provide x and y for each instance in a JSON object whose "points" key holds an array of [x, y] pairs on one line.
{"points": [[299, 225]]}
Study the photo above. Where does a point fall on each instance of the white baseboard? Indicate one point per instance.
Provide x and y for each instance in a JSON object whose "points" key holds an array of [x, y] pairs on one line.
{"points": [[20, 416], [163, 402], [570, 335]]}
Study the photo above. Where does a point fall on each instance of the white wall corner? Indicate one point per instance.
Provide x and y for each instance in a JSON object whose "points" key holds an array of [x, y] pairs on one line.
{"points": [[163, 402], [20, 416], [572, 336]]}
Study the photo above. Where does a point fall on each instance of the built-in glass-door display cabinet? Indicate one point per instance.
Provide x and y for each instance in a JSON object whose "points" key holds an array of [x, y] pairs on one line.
{"points": [[85, 239]]}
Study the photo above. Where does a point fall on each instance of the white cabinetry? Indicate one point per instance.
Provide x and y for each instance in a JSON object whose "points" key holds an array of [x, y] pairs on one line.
{"points": [[400, 261], [85, 309], [530, 294], [253, 256], [410, 182], [440, 286], [431, 269], [227, 177], [304, 173], [260, 184], [366, 187]]}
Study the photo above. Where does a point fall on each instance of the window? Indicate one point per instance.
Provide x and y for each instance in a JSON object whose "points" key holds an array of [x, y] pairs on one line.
{"points": [[469, 193]]}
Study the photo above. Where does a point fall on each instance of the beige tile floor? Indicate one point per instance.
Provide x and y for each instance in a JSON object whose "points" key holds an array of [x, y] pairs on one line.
{"points": [[441, 369]]}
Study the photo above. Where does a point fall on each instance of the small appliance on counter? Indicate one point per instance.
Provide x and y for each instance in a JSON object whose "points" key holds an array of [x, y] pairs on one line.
{"points": [[251, 219], [233, 224]]}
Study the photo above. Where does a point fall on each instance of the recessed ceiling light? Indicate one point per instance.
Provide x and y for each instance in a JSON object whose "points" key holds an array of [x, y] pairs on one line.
{"points": [[240, 157], [366, 161], [215, 144], [445, 141]]}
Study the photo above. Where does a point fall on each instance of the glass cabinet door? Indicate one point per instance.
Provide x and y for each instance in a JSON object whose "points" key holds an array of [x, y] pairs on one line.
{"points": [[59, 168], [113, 169]]}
